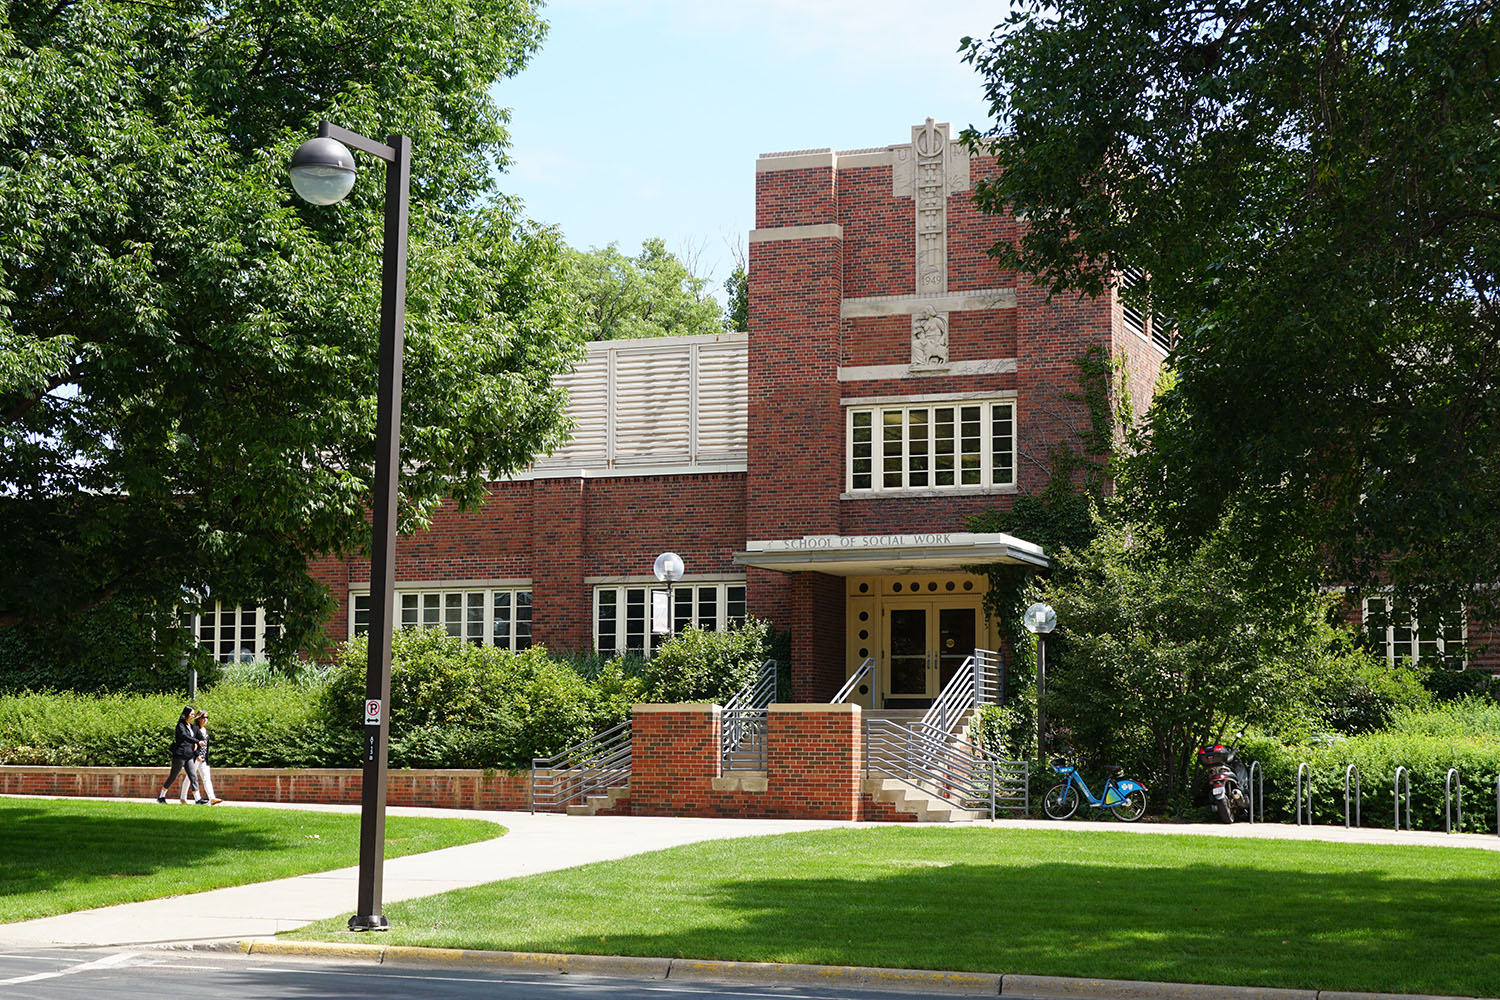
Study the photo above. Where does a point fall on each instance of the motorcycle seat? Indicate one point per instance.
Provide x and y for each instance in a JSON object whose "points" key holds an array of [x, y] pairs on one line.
{"points": [[1113, 769]]}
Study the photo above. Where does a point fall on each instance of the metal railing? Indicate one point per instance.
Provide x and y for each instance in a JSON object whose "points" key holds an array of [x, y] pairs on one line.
{"points": [[1451, 781], [925, 758], [865, 670], [1255, 789], [591, 767], [1402, 788], [1352, 771], [742, 722], [989, 677], [1304, 778]]}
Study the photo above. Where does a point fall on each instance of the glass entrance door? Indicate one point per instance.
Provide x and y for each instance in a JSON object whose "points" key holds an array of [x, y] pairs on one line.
{"points": [[926, 642]]}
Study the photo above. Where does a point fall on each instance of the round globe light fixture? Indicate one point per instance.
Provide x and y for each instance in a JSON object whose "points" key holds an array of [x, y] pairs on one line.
{"points": [[323, 171], [668, 567], [1040, 619]]}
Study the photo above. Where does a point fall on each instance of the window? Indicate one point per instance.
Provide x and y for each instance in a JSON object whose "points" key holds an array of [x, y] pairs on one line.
{"points": [[485, 617], [622, 614], [959, 445], [1402, 640], [233, 633]]}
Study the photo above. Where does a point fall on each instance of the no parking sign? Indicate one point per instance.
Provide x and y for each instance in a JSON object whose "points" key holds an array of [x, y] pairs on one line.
{"points": [[372, 712]]}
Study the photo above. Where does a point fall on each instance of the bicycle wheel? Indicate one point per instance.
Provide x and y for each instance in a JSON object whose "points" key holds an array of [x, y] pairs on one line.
{"points": [[1131, 808], [1060, 802]]}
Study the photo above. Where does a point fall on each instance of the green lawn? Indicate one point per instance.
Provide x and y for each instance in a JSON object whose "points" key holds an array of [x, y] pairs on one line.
{"points": [[1067, 903], [60, 855]]}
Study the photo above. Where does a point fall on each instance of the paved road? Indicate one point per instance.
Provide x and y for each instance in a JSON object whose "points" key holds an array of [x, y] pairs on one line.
{"points": [[148, 975]]}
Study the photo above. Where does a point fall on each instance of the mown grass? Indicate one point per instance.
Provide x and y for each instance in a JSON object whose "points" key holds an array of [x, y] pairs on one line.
{"points": [[1066, 903], [57, 856]]}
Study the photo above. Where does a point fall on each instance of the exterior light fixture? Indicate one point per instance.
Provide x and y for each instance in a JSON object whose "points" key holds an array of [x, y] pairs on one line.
{"points": [[1040, 619], [323, 173]]}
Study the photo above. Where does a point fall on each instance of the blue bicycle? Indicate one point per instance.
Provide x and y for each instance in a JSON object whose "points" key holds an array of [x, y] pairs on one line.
{"points": [[1121, 796]]}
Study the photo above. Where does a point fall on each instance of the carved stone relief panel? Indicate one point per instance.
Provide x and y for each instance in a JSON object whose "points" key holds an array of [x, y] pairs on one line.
{"points": [[928, 170]]}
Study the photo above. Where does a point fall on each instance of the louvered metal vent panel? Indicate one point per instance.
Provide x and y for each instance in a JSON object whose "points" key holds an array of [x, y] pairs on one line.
{"points": [[653, 397], [588, 408], [722, 402]]}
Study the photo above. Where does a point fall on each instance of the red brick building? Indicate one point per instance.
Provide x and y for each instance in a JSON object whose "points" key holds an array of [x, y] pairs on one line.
{"points": [[818, 470]]}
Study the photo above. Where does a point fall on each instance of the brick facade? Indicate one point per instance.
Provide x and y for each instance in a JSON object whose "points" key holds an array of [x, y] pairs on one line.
{"points": [[839, 279]]}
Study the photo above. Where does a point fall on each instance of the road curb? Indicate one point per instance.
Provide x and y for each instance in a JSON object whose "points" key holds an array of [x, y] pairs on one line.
{"points": [[713, 971]]}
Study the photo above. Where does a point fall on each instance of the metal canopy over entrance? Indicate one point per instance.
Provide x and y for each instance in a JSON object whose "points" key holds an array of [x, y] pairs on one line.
{"points": [[909, 602], [853, 555]]}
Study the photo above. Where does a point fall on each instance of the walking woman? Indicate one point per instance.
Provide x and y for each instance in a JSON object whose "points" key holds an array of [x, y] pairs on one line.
{"points": [[184, 755], [205, 788]]}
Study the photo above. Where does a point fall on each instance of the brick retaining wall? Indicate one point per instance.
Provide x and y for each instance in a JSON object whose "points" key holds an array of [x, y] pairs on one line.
{"points": [[443, 789]]}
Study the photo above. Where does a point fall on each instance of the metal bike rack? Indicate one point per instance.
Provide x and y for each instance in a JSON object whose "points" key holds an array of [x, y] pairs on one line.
{"points": [[1352, 771], [1304, 777], [1451, 781], [1255, 788], [1497, 804], [1402, 775]]}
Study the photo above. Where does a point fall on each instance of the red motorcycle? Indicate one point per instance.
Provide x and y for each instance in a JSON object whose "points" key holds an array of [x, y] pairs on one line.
{"points": [[1227, 780]]}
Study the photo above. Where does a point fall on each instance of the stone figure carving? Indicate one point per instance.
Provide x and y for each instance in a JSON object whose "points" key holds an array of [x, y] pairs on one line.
{"points": [[929, 339]]}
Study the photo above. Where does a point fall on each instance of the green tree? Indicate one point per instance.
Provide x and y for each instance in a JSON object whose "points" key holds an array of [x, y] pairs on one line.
{"points": [[1160, 652], [1312, 191], [737, 292], [187, 374], [650, 295]]}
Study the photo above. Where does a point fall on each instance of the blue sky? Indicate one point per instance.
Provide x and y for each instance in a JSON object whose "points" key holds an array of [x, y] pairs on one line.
{"points": [[643, 118]]}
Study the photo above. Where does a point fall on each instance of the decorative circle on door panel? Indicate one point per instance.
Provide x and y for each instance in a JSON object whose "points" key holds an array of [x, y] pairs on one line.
{"points": [[968, 584], [864, 588], [864, 633], [864, 652], [950, 584], [896, 587], [932, 585], [864, 616]]}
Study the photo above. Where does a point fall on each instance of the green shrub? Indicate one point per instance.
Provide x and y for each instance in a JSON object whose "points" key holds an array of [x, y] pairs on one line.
{"points": [[1006, 732], [700, 666], [477, 706], [1359, 693], [118, 646], [280, 726]]}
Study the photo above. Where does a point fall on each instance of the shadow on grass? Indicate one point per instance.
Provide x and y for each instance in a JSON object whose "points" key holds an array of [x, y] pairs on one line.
{"points": [[1380, 929], [42, 849]]}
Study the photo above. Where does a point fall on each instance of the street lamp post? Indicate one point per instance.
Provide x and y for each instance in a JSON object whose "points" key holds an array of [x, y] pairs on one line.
{"points": [[1041, 619], [668, 568], [323, 173]]}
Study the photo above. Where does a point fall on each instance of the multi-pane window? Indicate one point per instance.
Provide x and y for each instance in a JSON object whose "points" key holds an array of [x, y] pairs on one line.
{"points": [[957, 445], [622, 614], [231, 633], [1402, 639], [485, 617]]}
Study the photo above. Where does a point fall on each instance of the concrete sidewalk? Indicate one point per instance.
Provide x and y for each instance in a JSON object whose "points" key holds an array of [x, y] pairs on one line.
{"points": [[536, 843]]}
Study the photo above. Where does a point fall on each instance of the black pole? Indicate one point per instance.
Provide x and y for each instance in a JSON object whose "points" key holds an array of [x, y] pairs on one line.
{"points": [[367, 916], [1041, 690]]}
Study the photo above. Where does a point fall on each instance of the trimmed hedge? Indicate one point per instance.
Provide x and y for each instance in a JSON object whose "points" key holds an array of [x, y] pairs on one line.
{"points": [[1463, 735]]}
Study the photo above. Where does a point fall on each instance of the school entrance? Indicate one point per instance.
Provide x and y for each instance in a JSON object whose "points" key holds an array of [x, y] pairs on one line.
{"points": [[917, 628]]}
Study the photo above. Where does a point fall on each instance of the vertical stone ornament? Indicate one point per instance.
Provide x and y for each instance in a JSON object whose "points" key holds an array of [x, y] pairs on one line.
{"points": [[928, 170]]}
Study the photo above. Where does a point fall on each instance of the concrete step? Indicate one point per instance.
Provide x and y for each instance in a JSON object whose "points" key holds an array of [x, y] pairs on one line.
{"points": [[594, 803], [926, 807]]}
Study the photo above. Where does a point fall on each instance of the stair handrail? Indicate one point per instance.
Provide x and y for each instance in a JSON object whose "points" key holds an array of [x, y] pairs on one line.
{"points": [[865, 669], [955, 700], [570, 776], [989, 677], [925, 758], [744, 716]]}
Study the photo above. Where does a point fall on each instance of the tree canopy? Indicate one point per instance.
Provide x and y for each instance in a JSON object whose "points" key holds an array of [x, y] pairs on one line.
{"points": [[653, 294], [187, 350], [1311, 193]]}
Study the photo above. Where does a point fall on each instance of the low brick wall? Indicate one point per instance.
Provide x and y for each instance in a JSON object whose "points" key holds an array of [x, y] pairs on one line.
{"points": [[456, 789]]}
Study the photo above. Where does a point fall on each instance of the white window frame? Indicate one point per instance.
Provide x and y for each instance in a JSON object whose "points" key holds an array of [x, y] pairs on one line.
{"points": [[444, 598], [911, 452], [1414, 639], [210, 637], [618, 596]]}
